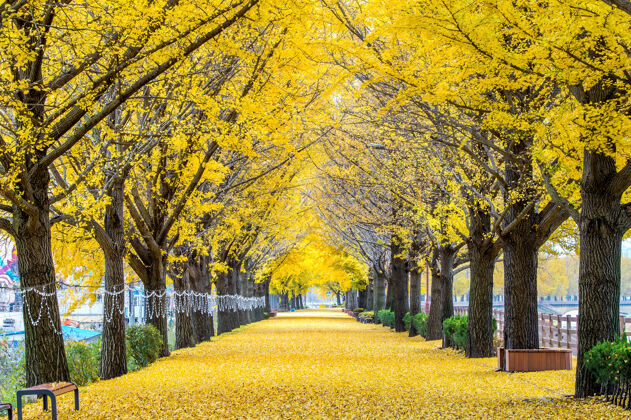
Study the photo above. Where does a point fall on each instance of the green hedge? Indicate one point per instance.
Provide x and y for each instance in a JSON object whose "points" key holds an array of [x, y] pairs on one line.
{"points": [[386, 317], [419, 321], [455, 330], [610, 363], [143, 345], [84, 361]]}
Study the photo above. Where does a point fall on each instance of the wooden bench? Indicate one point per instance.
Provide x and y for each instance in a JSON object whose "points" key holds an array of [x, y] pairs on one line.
{"points": [[8, 408], [521, 360], [51, 390]]}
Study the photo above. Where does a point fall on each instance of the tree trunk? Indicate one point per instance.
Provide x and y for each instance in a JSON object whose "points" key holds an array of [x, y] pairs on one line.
{"points": [[389, 294], [434, 320], [156, 309], [369, 294], [379, 293], [521, 327], [244, 315], [268, 307], [415, 296], [199, 279], [339, 301], [227, 318], [44, 346], [521, 321], [399, 284], [113, 348], [480, 317], [184, 336], [362, 298], [447, 255], [599, 266]]}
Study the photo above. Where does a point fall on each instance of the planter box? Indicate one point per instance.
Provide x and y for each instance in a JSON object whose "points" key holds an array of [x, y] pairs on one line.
{"points": [[517, 360]]}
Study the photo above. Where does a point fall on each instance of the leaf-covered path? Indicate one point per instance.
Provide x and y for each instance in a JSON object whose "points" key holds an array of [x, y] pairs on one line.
{"points": [[326, 365]]}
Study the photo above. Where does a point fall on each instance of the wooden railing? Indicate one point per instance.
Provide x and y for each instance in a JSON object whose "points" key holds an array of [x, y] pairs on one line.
{"points": [[554, 330]]}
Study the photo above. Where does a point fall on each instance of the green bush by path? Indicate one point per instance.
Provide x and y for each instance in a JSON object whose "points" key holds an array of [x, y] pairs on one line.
{"points": [[143, 345], [610, 363], [83, 361], [386, 318], [455, 330], [12, 373], [419, 321], [370, 314]]}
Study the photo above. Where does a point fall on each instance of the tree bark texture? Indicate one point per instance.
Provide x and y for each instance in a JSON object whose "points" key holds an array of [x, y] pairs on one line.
{"points": [[482, 255], [184, 335], [415, 297], [379, 295], [521, 325], [44, 346], [200, 282], [434, 320], [113, 347], [399, 285], [599, 265], [156, 309], [447, 255]]}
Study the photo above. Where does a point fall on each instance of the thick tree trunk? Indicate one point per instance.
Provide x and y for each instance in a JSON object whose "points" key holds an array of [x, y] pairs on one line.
{"points": [[447, 255], [521, 327], [268, 307], [434, 320], [521, 322], [184, 336], [482, 255], [43, 344], [362, 297], [113, 349], [199, 279], [244, 315], [480, 317], [379, 301], [156, 309], [369, 295], [399, 285], [339, 298], [227, 318], [415, 296], [599, 266]]}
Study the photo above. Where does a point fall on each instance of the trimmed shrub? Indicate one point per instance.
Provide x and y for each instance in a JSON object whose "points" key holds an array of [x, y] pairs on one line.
{"points": [[455, 329], [358, 310], [419, 321], [83, 361], [143, 345], [12, 372], [370, 314], [386, 318], [610, 363]]}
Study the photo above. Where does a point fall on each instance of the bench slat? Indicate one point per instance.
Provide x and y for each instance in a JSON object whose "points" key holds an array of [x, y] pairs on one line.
{"points": [[58, 388]]}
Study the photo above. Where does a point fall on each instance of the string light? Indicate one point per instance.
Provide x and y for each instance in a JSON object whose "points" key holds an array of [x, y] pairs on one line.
{"points": [[157, 303]]}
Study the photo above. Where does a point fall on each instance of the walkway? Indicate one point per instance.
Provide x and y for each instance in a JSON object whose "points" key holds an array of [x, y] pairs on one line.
{"points": [[326, 365]]}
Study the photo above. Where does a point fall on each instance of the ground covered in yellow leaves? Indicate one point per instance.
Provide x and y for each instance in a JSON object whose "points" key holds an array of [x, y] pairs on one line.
{"points": [[326, 365]]}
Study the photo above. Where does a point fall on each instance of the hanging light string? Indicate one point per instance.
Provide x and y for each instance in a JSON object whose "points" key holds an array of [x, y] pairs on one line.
{"points": [[158, 302]]}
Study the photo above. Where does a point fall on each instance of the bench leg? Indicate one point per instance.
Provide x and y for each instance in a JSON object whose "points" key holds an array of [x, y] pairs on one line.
{"points": [[19, 405], [10, 414], [45, 399], [53, 407], [76, 400]]}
